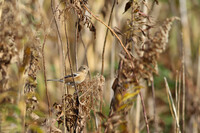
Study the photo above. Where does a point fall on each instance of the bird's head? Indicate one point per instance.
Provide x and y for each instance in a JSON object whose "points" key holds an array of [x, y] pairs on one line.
{"points": [[84, 69]]}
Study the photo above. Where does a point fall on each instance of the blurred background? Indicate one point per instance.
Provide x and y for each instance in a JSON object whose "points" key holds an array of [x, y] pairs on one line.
{"points": [[86, 49]]}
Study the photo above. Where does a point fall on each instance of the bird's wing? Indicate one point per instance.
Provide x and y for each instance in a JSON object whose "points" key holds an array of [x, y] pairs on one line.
{"points": [[70, 76]]}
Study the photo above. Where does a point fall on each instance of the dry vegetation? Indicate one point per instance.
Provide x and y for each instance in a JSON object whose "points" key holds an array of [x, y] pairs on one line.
{"points": [[144, 66]]}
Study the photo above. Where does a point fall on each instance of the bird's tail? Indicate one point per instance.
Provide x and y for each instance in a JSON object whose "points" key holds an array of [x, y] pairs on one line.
{"points": [[57, 80]]}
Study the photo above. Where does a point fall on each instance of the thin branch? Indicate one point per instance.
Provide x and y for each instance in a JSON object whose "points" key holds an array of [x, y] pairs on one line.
{"points": [[152, 6], [76, 45], [45, 78], [61, 43], [154, 106], [183, 84], [44, 70], [176, 97], [104, 44], [63, 60], [103, 53], [109, 29], [179, 96], [171, 103], [198, 73], [144, 112]]}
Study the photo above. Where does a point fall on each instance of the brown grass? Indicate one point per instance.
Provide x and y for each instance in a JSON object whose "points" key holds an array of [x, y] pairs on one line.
{"points": [[40, 40]]}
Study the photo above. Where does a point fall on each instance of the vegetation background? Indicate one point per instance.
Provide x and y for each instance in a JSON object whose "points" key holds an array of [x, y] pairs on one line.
{"points": [[143, 76]]}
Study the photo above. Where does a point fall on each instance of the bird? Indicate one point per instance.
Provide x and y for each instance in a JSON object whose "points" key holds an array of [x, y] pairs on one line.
{"points": [[79, 76]]}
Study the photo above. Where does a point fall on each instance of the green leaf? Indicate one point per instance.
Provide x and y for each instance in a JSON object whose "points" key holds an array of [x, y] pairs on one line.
{"points": [[11, 119]]}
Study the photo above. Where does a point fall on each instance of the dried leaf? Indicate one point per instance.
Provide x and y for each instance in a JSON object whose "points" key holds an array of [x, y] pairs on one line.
{"points": [[129, 95], [102, 116], [127, 6]]}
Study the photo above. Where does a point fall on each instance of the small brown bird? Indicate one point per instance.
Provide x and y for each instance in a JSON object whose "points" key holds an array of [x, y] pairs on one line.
{"points": [[79, 76]]}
